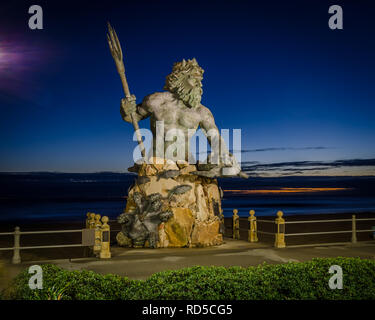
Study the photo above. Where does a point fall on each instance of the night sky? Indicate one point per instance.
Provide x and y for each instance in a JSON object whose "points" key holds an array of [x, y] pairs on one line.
{"points": [[302, 94]]}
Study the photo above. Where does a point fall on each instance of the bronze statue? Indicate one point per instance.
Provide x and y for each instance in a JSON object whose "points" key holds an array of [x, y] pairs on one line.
{"points": [[180, 111], [170, 183]]}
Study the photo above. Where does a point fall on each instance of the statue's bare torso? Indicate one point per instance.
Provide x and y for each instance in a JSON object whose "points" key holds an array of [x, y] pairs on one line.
{"points": [[175, 114], [179, 112]]}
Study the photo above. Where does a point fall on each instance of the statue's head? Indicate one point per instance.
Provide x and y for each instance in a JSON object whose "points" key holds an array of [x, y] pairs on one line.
{"points": [[185, 81]]}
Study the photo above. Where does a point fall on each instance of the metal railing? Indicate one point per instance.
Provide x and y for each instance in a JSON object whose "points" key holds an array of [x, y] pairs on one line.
{"points": [[280, 232], [353, 231], [17, 235], [266, 221]]}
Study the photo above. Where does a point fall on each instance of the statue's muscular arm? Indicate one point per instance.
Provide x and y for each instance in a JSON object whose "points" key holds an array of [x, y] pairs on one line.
{"points": [[210, 129], [207, 119], [146, 108], [208, 126]]}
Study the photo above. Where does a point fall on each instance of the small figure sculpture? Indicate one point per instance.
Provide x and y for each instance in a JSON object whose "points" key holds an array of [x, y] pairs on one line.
{"points": [[236, 225]]}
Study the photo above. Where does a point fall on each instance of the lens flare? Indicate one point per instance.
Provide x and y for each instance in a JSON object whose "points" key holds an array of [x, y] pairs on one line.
{"points": [[18, 61]]}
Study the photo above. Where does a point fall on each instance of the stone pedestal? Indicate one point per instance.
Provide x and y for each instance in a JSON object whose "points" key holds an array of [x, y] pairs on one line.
{"points": [[194, 201]]}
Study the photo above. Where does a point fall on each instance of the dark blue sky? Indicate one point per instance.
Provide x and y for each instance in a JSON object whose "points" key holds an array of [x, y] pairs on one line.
{"points": [[298, 90]]}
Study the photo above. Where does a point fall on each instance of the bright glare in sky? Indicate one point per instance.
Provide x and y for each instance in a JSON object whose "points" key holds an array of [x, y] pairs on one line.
{"points": [[2, 55], [2, 58]]}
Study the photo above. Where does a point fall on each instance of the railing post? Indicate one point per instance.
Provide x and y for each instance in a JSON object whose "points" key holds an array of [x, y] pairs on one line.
{"points": [[253, 237], [88, 220], [16, 251], [236, 225], [280, 233], [105, 252], [91, 225], [98, 235], [91, 220], [354, 229]]}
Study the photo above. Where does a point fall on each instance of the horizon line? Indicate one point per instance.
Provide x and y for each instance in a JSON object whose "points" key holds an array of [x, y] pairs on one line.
{"points": [[132, 173]]}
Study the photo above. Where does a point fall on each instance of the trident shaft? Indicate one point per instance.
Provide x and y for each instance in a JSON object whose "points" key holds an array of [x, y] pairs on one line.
{"points": [[116, 51]]}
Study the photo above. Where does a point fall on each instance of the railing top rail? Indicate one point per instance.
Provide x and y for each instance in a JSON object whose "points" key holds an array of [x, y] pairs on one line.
{"points": [[319, 221], [313, 233], [52, 246], [40, 232], [264, 232], [43, 247], [6, 233], [50, 231]]}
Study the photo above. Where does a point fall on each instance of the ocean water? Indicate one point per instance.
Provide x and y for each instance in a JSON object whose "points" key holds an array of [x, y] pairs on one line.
{"points": [[33, 197]]}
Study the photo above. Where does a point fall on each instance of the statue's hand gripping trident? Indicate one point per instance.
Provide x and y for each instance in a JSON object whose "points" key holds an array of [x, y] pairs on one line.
{"points": [[116, 51]]}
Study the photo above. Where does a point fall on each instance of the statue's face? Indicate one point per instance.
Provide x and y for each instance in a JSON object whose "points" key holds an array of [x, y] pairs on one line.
{"points": [[192, 90], [185, 81], [192, 81]]}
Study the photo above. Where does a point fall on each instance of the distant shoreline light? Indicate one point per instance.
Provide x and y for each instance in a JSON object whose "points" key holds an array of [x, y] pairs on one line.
{"points": [[286, 190]]}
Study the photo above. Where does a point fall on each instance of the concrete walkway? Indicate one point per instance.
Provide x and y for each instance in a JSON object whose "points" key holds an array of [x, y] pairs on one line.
{"points": [[141, 263]]}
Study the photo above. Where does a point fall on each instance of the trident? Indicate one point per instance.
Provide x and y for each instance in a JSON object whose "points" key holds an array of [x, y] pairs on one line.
{"points": [[116, 51]]}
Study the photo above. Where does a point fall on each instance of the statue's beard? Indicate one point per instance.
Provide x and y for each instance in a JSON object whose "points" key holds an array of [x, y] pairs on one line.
{"points": [[191, 97]]}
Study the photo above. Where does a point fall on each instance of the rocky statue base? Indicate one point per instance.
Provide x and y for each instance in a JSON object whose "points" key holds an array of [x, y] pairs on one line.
{"points": [[170, 207]]}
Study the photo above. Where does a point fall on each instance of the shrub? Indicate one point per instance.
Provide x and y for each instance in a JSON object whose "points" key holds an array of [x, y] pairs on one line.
{"points": [[4, 279], [77, 285], [306, 280]]}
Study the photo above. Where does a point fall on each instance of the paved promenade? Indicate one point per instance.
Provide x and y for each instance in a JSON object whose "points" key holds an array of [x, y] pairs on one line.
{"points": [[141, 263]]}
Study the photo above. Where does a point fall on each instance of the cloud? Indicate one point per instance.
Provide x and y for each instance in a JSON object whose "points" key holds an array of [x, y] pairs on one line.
{"points": [[284, 149], [279, 149], [347, 167], [336, 163]]}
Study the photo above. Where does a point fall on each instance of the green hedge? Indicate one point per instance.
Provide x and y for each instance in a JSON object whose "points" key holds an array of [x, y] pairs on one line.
{"points": [[306, 280]]}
